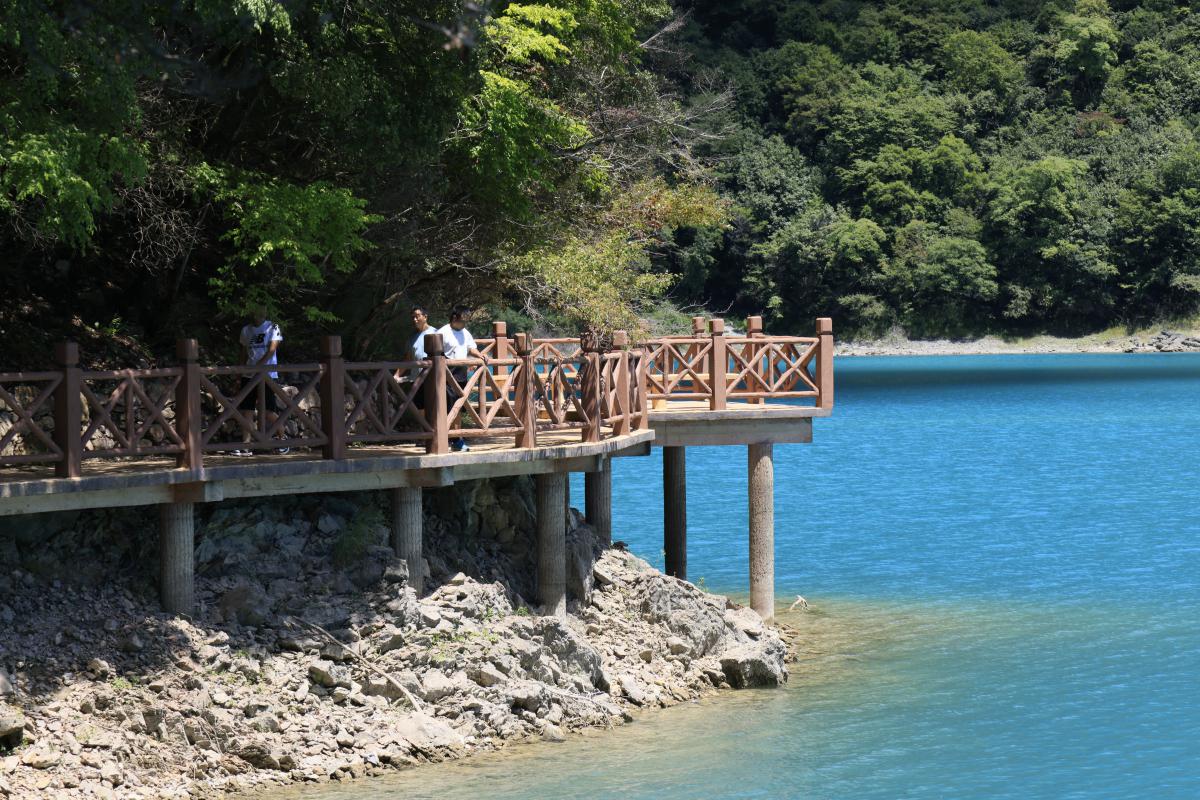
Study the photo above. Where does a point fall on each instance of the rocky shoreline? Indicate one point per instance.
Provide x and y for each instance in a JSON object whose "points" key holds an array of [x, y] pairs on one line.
{"points": [[312, 659], [1165, 341]]}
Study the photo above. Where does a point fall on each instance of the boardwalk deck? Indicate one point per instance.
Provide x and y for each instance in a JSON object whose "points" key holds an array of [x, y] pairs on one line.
{"points": [[72, 439]]}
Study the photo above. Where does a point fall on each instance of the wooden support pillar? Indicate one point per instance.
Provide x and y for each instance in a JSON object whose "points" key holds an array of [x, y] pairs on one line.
{"points": [[176, 557], [552, 544], [408, 530], [675, 510], [597, 490], [761, 489]]}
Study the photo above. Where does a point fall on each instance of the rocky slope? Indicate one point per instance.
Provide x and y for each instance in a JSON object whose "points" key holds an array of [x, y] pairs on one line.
{"points": [[312, 658]]}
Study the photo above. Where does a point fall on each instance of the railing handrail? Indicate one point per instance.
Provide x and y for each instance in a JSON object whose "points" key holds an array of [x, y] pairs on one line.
{"points": [[524, 387]]}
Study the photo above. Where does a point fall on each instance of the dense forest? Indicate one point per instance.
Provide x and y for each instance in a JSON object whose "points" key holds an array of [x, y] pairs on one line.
{"points": [[949, 166], [953, 166]]}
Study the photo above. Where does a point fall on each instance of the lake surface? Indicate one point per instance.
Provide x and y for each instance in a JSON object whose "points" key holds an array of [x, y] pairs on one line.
{"points": [[1002, 562]]}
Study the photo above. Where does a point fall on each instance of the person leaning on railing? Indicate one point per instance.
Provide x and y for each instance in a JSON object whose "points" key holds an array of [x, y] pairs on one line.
{"points": [[458, 343]]}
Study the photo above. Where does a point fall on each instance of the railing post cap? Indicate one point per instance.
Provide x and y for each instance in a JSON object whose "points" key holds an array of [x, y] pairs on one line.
{"points": [[331, 346], [521, 341], [697, 324], [620, 339], [717, 326], [499, 328], [187, 349], [754, 324], [67, 354], [433, 344], [825, 326]]}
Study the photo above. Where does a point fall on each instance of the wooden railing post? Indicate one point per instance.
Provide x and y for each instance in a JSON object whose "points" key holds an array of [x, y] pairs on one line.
{"points": [[188, 420], [697, 327], [754, 329], [641, 389], [435, 396], [824, 371], [333, 397], [526, 393], [68, 413], [717, 365], [501, 351], [620, 343], [589, 376]]}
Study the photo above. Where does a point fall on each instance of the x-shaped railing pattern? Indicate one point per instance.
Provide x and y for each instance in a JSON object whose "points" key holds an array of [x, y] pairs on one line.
{"points": [[26, 428], [259, 381], [678, 368], [384, 406], [130, 397]]}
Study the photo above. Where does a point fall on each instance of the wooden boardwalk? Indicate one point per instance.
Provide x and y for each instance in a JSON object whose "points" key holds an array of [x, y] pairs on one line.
{"points": [[76, 439]]}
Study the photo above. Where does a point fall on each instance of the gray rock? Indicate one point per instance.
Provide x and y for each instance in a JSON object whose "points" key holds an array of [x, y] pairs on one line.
{"points": [[336, 651], [6, 686], [525, 694], [261, 756], [396, 572], [41, 757], [246, 604], [435, 685], [487, 675], [759, 664], [328, 675], [12, 727], [553, 733], [426, 733]]}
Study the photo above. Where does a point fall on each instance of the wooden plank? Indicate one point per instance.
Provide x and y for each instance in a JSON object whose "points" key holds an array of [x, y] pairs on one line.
{"points": [[689, 433]]}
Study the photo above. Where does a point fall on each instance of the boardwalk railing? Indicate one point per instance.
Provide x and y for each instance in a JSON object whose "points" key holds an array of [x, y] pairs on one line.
{"points": [[522, 389]]}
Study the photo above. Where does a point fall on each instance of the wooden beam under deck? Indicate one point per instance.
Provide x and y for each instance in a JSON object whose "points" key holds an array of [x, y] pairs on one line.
{"points": [[683, 424], [300, 474]]}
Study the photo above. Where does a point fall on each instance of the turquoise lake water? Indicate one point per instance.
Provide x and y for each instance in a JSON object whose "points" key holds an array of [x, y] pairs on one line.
{"points": [[1001, 557]]}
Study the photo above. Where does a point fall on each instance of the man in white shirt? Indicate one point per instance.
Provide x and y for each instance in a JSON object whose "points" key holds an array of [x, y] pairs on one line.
{"points": [[421, 326], [416, 352], [260, 345], [458, 343]]}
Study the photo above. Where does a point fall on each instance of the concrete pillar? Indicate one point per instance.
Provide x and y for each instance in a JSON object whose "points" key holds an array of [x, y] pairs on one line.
{"points": [[176, 557], [408, 530], [761, 486], [552, 544], [675, 510], [566, 499], [597, 490]]}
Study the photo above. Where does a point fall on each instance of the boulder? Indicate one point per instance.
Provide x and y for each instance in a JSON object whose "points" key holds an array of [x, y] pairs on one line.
{"points": [[326, 674], [246, 604], [425, 733], [12, 727], [754, 665]]}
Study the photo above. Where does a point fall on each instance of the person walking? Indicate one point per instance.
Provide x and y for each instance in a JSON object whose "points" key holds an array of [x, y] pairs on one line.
{"points": [[259, 340], [416, 352], [458, 343]]}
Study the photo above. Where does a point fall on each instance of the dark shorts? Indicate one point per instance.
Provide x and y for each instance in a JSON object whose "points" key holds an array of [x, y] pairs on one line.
{"points": [[250, 401]]}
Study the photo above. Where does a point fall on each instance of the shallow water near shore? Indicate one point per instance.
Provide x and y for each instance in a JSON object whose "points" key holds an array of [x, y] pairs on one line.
{"points": [[1001, 557]]}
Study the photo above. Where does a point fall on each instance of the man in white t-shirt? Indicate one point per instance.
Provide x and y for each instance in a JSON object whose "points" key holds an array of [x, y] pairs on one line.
{"points": [[416, 352], [458, 343], [260, 345]]}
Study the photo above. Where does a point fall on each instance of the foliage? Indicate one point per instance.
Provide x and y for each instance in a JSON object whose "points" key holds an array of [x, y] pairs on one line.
{"points": [[954, 167], [180, 163]]}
